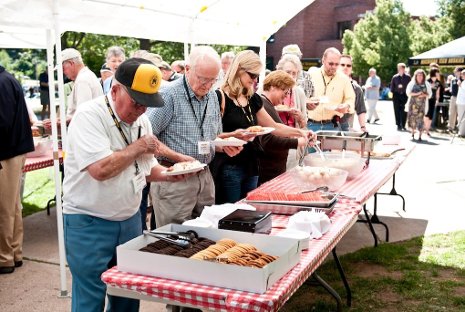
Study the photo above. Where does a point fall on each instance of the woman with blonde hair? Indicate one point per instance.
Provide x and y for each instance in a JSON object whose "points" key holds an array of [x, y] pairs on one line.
{"points": [[418, 90], [243, 108]]}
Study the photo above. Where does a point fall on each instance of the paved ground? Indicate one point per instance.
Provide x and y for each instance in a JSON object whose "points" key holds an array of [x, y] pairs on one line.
{"points": [[432, 180]]}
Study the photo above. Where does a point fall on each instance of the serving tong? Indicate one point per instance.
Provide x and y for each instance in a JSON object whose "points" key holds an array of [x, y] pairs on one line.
{"points": [[181, 239]]}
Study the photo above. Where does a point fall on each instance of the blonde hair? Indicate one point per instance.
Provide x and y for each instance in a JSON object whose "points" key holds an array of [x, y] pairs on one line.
{"points": [[247, 61], [278, 79]]}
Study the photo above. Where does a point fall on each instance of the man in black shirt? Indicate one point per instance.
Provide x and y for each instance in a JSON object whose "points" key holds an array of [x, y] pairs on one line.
{"points": [[16, 141], [399, 84]]}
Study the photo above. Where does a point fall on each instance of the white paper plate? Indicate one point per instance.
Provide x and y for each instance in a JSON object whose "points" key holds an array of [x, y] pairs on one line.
{"points": [[282, 108], [178, 172], [266, 130], [224, 143]]}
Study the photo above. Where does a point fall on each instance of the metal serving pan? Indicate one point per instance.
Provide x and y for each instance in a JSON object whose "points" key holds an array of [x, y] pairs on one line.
{"points": [[361, 142]]}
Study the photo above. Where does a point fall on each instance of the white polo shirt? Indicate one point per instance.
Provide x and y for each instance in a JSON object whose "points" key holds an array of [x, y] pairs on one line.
{"points": [[93, 136]]}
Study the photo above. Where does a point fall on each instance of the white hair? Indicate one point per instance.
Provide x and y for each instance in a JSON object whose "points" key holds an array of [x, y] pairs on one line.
{"points": [[201, 54]]}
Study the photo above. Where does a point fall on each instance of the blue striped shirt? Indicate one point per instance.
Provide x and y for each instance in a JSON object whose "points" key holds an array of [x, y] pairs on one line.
{"points": [[177, 127]]}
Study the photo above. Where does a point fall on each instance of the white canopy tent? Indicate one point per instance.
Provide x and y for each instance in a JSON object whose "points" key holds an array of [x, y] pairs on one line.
{"points": [[39, 24]]}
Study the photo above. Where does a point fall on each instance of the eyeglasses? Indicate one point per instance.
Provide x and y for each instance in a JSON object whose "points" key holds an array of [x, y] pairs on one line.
{"points": [[204, 80], [346, 65], [252, 75], [333, 64], [133, 102], [286, 91]]}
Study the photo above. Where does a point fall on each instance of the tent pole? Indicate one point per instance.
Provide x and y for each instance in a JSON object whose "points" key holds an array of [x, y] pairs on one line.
{"points": [[186, 50], [59, 212], [263, 60]]}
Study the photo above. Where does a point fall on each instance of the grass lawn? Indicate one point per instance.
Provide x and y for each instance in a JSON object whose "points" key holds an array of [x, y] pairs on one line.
{"points": [[39, 188], [421, 274]]}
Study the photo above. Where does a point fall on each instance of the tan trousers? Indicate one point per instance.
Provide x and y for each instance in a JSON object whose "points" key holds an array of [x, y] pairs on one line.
{"points": [[11, 221], [176, 202]]}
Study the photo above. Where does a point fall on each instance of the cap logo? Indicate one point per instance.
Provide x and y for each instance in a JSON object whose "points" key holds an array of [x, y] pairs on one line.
{"points": [[146, 79]]}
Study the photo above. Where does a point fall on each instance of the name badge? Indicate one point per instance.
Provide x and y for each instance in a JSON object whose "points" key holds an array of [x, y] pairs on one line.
{"points": [[204, 147], [400, 86], [138, 183]]}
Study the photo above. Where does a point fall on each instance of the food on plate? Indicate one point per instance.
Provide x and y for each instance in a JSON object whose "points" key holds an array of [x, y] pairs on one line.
{"points": [[255, 129], [184, 165], [230, 139], [282, 107]]}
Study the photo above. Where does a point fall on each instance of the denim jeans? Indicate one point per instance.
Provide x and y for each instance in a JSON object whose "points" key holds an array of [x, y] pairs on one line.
{"points": [[143, 206], [236, 183], [318, 126], [90, 250]]}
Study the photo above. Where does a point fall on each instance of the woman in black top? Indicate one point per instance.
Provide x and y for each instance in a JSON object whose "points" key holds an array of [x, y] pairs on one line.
{"points": [[436, 87], [273, 159], [244, 108]]}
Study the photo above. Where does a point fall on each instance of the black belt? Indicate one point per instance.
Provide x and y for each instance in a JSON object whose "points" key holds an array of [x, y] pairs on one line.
{"points": [[320, 121]]}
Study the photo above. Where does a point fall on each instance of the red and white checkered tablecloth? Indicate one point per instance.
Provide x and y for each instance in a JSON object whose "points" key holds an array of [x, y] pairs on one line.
{"points": [[222, 299], [36, 163]]}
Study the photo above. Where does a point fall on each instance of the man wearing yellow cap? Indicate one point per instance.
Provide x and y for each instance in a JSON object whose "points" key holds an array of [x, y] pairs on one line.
{"points": [[110, 157]]}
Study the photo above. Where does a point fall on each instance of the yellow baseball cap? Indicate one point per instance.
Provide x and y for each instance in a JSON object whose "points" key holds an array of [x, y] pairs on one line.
{"points": [[142, 79]]}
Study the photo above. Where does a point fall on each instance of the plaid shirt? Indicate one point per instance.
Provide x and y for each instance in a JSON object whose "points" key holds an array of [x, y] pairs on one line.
{"points": [[305, 81], [176, 125]]}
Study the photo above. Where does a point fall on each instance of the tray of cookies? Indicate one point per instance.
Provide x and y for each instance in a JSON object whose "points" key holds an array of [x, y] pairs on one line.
{"points": [[223, 258]]}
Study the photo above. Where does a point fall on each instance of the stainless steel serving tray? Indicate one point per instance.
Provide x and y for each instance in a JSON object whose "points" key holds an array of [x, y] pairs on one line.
{"points": [[353, 141]]}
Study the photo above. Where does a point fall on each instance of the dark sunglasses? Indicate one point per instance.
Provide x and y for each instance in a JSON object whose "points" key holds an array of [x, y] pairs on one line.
{"points": [[346, 65], [252, 75], [333, 64]]}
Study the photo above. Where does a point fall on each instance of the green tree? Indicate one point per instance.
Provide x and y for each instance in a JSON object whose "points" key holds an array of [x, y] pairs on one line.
{"points": [[452, 14], [381, 40], [93, 47], [428, 34]]}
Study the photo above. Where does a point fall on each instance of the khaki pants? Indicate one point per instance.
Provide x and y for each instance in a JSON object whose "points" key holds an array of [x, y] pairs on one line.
{"points": [[176, 202], [11, 221]]}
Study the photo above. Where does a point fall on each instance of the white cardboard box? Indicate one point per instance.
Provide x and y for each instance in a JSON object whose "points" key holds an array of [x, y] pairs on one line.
{"points": [[256, 280]]}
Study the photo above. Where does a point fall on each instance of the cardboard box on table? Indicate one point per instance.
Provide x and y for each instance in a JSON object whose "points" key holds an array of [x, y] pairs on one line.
{"points": [[256, 280]]}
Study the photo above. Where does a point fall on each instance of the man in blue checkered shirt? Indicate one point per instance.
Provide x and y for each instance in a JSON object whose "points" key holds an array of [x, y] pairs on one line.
{"points": [[185, 125]]}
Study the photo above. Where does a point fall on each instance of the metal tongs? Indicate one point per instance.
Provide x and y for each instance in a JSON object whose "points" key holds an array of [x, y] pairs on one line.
{"points": [[181, 239]]}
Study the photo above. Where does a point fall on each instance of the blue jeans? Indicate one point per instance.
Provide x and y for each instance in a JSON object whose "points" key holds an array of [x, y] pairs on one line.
{"points": [[143, 205], [236, 183], [90, 250], [318, 126]]}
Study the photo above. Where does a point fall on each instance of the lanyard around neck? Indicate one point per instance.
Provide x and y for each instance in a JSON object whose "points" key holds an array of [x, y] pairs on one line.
{"points": [[324, 81], [118, 125], [200, 121]]}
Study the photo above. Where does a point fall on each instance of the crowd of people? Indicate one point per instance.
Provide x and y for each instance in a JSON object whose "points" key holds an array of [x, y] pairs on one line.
{"points": [[143, 115]]}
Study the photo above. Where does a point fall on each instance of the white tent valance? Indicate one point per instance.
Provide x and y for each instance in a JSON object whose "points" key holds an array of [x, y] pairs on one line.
{"points": [[239, 22]]}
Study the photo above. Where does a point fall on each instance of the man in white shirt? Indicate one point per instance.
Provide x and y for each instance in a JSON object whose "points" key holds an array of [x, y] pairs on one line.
{"points": [[86, 84], [110, 156]]}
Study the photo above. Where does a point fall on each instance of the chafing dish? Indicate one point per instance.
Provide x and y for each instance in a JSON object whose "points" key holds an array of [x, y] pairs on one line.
{"points": [[361, 142]]}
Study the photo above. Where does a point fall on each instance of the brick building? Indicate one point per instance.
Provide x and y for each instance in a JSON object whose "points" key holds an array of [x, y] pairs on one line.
{"points": [[319, 26]]}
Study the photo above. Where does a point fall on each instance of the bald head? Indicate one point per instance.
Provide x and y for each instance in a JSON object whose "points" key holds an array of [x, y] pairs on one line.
{"points": [[330, 60]]}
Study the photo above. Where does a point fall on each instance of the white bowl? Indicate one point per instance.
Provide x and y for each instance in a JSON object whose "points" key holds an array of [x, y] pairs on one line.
{"points": [[312, 177], [352, 162]]}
